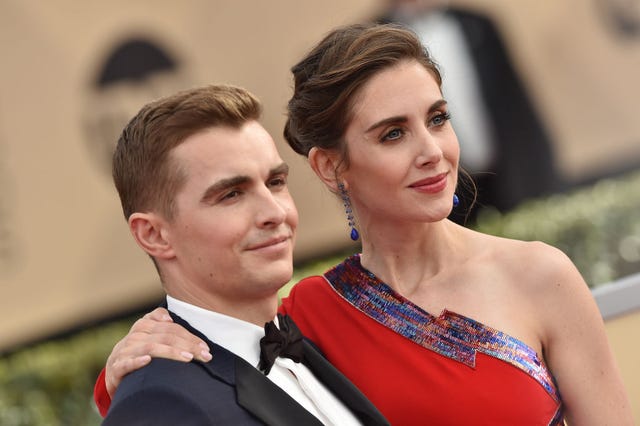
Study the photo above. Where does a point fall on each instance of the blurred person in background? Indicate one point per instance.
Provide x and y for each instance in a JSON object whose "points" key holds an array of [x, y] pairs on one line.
{"points": [[434, 322]]}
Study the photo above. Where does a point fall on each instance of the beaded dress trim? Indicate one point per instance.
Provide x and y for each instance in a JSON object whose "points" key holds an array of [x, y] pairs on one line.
{"points": [[450, 334]]}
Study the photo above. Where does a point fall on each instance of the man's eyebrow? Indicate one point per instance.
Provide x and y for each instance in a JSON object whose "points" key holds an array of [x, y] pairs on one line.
{"points": [[403, 119], [222, 185], [225, 184], [281, 169]]}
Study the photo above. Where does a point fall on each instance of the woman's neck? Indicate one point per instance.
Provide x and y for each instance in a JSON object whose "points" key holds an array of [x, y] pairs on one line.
{"points": [[404, 257]]}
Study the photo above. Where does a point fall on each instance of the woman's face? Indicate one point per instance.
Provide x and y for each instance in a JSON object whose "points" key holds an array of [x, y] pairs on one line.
{"points": [[403, 152]]}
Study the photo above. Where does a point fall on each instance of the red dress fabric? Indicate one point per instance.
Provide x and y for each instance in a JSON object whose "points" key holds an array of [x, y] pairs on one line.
{"points": [[412, 384], [100, 395]]}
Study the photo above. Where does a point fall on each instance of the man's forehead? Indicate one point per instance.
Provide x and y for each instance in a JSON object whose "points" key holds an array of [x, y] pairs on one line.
{"points": [[250, 171], [250, 141]]}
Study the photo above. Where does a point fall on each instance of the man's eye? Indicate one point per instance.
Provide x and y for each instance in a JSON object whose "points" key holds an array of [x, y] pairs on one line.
{"points": [[278, 182], [230, 195]]}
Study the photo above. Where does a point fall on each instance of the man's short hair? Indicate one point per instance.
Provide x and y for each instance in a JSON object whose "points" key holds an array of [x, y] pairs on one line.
{"points": [[144, 174]]}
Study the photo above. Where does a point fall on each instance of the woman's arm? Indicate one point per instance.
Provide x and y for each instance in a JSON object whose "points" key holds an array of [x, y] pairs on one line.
{"points": [[576, 347], [154, 335]]}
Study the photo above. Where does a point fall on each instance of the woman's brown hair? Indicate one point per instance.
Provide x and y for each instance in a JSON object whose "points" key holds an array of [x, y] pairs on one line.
{"points": [[328, 78]]}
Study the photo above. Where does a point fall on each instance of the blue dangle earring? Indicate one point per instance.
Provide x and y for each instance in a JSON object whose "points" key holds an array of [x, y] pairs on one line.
{"points": [[346, 202], [456, 200]]}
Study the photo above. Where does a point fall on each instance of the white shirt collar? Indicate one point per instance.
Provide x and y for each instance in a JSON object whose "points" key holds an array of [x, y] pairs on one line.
{"points": [[240, 337], [243, 339]]}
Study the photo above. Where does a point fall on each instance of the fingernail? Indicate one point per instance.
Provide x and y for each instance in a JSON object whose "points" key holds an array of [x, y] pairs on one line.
{"points": [[204, 346], [187, 355], [206, 355]]}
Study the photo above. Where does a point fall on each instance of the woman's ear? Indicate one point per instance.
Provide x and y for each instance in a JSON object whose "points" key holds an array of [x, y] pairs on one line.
{"points": [[148, 229], [325, 164]]}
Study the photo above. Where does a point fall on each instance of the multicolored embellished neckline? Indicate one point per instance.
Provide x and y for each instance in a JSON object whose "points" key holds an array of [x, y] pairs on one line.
{"points": [[450, 334]]}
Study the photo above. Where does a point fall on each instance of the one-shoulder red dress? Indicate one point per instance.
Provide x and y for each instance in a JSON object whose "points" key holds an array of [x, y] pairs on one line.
{"points": [[419, 369]]}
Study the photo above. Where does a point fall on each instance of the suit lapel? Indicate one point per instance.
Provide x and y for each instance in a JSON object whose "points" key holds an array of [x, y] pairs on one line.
{"points": [[259, 395], [254, 391], [341, 387]]}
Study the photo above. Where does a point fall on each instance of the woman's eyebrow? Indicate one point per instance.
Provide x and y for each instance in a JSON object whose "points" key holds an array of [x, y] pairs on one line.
{"points": [[403, 119]]}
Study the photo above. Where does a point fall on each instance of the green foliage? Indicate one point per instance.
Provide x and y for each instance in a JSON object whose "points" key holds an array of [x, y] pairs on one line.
{"points": [[599, 228], [51, 383]]}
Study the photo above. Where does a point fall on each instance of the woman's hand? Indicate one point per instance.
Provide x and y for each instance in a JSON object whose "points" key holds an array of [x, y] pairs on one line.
{"points": [[155, 335]]}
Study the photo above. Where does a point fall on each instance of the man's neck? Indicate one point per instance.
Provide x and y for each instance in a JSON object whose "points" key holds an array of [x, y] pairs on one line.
{"points": [[256, 311], [240, 337]]}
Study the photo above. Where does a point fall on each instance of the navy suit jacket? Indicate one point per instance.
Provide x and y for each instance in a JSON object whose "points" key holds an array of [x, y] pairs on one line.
{"points": [[225, 391]]}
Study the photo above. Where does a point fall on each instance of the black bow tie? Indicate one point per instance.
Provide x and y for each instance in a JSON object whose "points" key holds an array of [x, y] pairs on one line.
{"points": [[285, 341]]}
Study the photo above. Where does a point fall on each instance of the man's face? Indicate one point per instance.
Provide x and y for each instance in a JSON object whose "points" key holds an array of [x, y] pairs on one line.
{"points": [[233, 232]]}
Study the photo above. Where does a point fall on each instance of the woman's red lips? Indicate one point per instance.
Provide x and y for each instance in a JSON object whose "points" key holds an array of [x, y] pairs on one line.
{"points": [[431, 184]]}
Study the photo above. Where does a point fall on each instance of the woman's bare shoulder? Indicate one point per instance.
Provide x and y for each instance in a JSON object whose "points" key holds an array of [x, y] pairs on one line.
{"points": [[532, 264], [519, 252]]}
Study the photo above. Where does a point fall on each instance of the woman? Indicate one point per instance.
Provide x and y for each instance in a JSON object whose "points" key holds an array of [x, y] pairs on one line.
{"points": [[434, 322]]}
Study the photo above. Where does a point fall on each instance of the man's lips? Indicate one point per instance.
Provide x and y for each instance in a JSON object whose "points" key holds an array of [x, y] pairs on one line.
{"points": [[431, 184], [269, 243]]}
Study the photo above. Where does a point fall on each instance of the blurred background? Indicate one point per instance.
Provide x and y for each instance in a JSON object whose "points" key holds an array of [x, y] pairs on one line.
{"points": [[544, 95]]}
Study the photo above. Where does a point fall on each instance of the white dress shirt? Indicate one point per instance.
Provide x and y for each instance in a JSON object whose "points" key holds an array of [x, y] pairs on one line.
{"points": [[243, 339]]}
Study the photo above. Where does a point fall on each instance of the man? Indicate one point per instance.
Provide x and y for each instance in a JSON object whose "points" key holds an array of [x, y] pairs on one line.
{"points": [[204, 191]]}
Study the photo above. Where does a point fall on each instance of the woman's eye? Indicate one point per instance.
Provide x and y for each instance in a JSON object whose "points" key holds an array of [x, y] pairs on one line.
{"points": [[392, 135], [440, 119]]}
